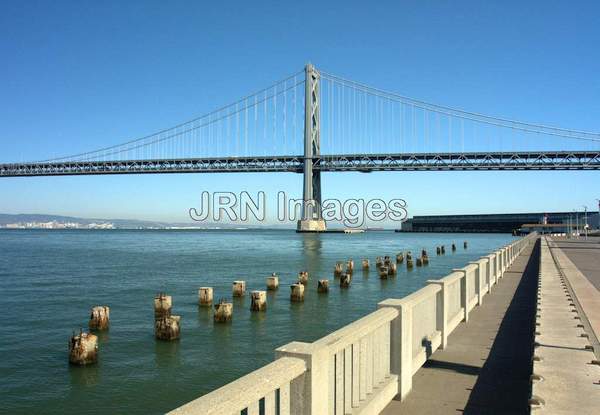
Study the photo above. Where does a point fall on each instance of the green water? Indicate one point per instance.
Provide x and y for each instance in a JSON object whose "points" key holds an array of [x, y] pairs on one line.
{"points": [[49, 280]]}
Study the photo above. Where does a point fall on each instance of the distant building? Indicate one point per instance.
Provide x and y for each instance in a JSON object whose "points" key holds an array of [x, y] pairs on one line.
{"points": [[500, 223]]}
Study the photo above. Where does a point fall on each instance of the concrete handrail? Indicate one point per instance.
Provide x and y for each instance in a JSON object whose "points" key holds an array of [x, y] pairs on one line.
{"points": [[246, 392], [362, 366]]}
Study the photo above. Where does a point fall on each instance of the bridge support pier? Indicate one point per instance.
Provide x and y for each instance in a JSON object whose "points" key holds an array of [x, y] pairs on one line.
{"points": [[312, 220]]}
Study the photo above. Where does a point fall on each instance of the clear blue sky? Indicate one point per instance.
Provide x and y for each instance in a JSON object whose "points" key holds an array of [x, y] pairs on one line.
{"points": [[76, 76]]}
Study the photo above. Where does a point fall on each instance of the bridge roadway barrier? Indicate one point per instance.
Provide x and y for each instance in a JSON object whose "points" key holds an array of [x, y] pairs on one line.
{"points": [[361, 367], [566, 374]]}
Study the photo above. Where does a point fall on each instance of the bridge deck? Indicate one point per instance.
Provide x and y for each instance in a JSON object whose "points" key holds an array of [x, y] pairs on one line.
{"points": [[558, 160], [487, 364]]}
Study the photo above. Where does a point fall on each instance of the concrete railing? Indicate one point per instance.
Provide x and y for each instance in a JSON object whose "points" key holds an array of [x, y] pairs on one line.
{"points": [[361, 367]]}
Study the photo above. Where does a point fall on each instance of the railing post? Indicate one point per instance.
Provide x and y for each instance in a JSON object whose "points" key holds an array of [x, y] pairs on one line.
{"points": [[401, 352], [309, 394], [441, 311], [478, 282], [464, 292]]}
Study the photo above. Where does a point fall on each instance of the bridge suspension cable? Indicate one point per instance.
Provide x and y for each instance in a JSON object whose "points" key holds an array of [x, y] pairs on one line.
{"points": [[358, 118], [354, 119], [254, 125]]}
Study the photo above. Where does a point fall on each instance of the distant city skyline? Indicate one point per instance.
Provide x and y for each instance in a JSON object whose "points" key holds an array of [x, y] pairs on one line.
{"points": [[82, 77]]}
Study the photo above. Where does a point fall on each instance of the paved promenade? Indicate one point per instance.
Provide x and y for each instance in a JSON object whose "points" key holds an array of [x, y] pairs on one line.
{"points": [[579, 260], [585, 254], [487, 365]]}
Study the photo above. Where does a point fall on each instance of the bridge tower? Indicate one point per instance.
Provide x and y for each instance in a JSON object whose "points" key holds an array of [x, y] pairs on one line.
{"points": [[312, 219]]}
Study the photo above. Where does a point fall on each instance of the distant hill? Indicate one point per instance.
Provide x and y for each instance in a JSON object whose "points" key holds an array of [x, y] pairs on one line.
{"points": [[120, 223]]}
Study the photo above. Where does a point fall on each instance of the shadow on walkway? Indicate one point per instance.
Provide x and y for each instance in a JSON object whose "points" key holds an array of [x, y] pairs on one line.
{"points": [[503, 386]]}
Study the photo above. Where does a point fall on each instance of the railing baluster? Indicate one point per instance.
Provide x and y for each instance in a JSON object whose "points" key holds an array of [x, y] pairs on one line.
{"points": [[331, 399], [362, 374], [284, 399], [270, 403], [355, 374], [369, 340], [339, 383], [348, 379]]}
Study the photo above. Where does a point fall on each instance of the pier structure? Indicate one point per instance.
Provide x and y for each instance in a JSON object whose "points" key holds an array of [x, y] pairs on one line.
{"points": [[375, 363]]}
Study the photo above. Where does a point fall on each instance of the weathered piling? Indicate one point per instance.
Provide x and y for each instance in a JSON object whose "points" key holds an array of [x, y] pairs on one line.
{"points": [[205, 296], [83, 349], [465, 244], [99, 318], [239, 288], [438, 250], [303, 277], [323, 286], [297, 294], [392, 269], [365, 264], [453, 247], [399, 258], [386, 260], [409, 260], [167, 328], [273, 282], [259, 301], [350, 266], [378, 262], [443, 249], [223, 312], [345, 280], [425, 259], [383, 272], [162, 306], [339, 268], [419, 262]]}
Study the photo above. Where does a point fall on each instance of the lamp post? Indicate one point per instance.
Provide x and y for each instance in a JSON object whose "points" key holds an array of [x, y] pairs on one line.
{"points": [[585, 226]]}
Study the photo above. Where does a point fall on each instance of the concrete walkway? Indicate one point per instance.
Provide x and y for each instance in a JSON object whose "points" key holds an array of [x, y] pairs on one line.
{"points": [[579, 261], [585, 254], [487, 365]]}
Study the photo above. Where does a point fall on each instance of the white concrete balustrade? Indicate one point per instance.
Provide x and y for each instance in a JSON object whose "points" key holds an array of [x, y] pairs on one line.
{"points": [[361, 367]]}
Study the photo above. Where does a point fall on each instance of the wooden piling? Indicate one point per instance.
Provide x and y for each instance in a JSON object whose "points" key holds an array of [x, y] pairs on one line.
{"points": [[162, 306], [465, 244], [83, 349], [339, 268], [259, 301], [392, 269], [99, 318], [350, 266], [383, 272], [409, 260], [167, 328], [273, 282], [443, 249], [303, 277], [399, 258], [419, 262], [205, 296], [438, 250], [297, 294], [223, 312], [323, 286], [365, 264], [345, 280], [453, 247], [378, 262], [239, 288]]}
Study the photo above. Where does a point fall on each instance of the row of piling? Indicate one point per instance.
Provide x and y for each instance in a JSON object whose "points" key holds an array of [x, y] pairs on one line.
{"points": [[83, 347]]}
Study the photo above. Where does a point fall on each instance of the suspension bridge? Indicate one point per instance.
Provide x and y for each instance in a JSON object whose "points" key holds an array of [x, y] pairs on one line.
{"points": [[313, 121]]}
